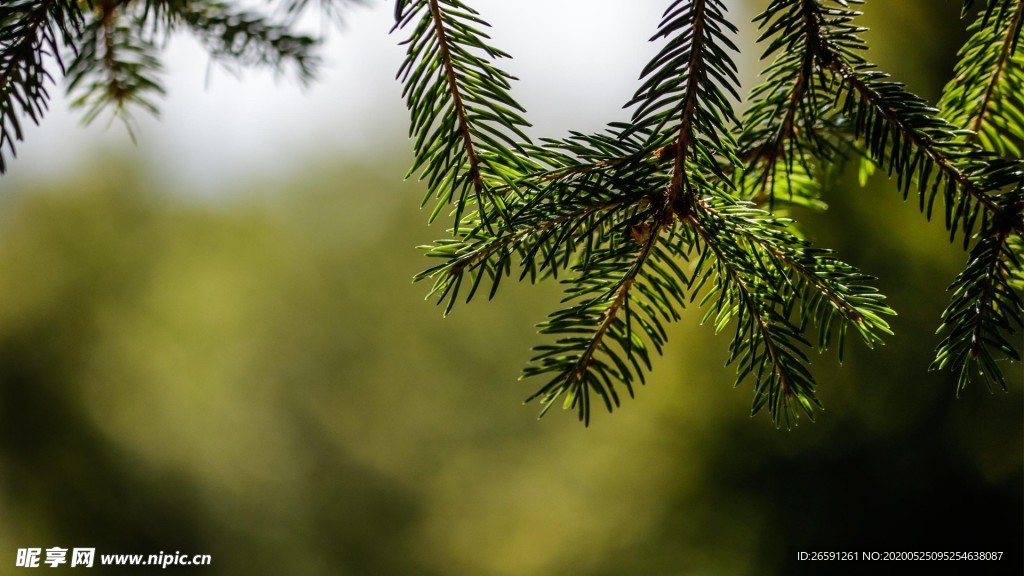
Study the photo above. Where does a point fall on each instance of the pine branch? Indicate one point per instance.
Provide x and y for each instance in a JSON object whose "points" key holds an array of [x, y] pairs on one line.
{"points": [[114, 66], [614, 215], [765, 345], [986, 307], [776, 285], [587, 202], [113, 46], [680, 108], [571, 201], [683, 100], [900, 131], [784, 130], [463, 118], [117, 64], [987, 92], [544, 246], [604, 338], [30, 30], [238, 37]]}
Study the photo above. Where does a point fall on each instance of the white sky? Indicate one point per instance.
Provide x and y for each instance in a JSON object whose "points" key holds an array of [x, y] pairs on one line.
{"points": [[577, 60]]}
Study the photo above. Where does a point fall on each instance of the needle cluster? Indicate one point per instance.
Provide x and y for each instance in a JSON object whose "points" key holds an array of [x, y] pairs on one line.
{"points": [[682, 206]]}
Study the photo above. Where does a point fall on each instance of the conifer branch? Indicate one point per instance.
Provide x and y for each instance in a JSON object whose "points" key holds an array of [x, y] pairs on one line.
{"points": [[545, 246], [899, 127], [601, 333], [445, 57], [113, 46], [986, 307], [686, 86], [1008, 47], [695, 77], [985, 94], [30, 30], [464, 120], [783, 130], [784, 284], [236, 36], [886, 100], [114, 67], [764, 345]]}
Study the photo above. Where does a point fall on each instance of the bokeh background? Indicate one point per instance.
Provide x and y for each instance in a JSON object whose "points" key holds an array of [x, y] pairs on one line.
{"points": [[210, 343]]}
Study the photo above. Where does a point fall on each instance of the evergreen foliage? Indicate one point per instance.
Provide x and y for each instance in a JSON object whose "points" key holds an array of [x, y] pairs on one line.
{"points": [[109, 50], [684, 205]]}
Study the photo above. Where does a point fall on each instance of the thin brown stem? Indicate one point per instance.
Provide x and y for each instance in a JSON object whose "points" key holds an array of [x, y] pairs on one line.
{"points": [[658, 155], [991, 283], [787, 129], [748, 302], [687, 121], [944, 163], [848, 311], [460, 108], [609, 315], [517, 236], [1009, 43], [115, 87]]}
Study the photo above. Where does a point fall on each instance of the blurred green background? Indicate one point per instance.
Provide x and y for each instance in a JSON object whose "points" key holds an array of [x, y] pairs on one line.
{"points": [[253, 376]]}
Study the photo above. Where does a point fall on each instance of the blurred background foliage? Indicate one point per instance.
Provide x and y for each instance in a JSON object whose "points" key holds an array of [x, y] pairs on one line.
{"points": [[253, 376]]}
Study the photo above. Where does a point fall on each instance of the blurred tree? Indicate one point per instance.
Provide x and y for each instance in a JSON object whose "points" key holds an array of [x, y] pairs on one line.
{"points": [[109, 50], [685, 202]]}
